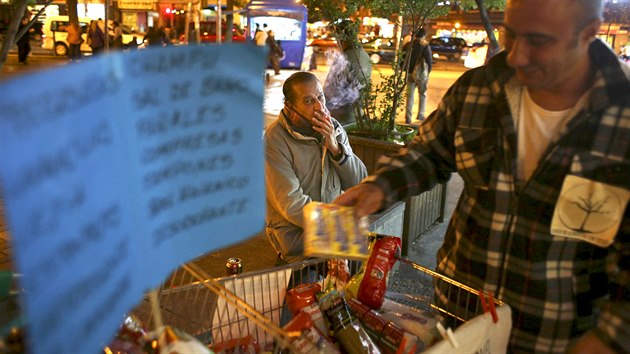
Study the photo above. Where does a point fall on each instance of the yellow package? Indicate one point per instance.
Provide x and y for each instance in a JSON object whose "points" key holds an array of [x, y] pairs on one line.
{"points": [[332, 231]]}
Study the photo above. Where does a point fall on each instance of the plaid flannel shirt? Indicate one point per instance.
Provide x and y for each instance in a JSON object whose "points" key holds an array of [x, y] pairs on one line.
{"points": [[499, 237]]}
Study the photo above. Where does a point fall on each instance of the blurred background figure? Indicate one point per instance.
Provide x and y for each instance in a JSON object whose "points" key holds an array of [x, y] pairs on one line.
{"points": [[96, 38], [155, 37], [117, 40], [275, 53], [24, 42], [74, 40]]}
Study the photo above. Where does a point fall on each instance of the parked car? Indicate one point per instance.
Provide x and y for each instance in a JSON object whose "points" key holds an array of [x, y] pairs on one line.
{"points": [[381, 50], [450, 48], [55, 34], [322, 44], [208, 33]]}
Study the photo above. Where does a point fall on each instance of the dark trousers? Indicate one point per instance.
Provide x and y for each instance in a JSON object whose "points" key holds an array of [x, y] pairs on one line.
{"points": [[24, 48], [74, 52], [275, 63]]}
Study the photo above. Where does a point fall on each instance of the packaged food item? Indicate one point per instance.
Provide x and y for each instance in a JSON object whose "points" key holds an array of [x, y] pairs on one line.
{"points": [[347, 331], [420, 323], [302, 296], [383, 256], [311, 340], [129, 338], [389, 337], [332, 231], [338, 275], [352, 288], [316, 315]]}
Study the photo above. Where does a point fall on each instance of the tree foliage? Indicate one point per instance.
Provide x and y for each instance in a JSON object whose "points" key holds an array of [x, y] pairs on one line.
{"points": [[616, 11]]}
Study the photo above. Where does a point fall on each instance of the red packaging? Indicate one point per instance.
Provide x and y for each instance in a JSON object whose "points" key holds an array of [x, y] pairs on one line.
{"points": [[395, 340], [301, 296], [358, 309], [384, 255]]}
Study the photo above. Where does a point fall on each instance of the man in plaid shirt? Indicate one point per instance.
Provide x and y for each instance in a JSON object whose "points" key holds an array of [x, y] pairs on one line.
{"points": [[541, 137]]}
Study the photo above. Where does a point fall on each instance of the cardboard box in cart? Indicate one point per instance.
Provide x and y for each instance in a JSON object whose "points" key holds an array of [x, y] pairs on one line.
{"points": [[250, 305]]}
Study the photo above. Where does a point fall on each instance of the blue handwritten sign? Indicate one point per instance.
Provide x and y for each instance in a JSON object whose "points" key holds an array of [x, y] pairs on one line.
{"points": [[117, 170]]}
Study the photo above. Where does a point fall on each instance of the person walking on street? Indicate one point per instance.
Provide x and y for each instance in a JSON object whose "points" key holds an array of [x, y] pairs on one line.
{"points": [[155, 37], [307, 158], [24, 42], [417, 74], [96, 38], [540, 137], [74, 40], [275, 53], [117, 40]]}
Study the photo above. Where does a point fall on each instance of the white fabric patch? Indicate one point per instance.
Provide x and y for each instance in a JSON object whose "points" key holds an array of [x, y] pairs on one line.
{"points": [[589, 211]]}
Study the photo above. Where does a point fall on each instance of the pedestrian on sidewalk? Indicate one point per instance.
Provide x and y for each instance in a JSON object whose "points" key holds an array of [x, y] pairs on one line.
{"points": [[540, 137], [307, 158], [24, 42], [417, 74], [275, 52], [74, 40], [96, 38]]}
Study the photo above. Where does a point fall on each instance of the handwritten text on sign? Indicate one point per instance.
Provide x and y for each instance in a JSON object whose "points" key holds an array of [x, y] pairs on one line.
{"points": [[117, 170]]}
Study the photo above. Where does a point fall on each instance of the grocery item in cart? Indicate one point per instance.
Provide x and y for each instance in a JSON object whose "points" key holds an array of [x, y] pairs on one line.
{"points": [[130, 337], [418, 322], [311, 339], [301, 296], [389, 337], [348, 332], [384, 254], [332, 231], [338, 274]]}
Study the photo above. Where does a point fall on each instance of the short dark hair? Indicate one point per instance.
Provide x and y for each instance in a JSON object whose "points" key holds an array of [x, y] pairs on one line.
{"points": [[299, 77], [421, 32]]}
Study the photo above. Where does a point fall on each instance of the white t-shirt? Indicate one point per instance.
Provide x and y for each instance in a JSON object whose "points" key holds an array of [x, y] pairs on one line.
{"points": [[537, 129]]}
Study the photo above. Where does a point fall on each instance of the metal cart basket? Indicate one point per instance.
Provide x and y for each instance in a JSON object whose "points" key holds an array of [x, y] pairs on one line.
{"points": [[250, 305]]}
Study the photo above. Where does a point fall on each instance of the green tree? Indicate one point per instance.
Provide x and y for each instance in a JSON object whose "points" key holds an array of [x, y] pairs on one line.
{"points": [[332, 10], [411, 14]]}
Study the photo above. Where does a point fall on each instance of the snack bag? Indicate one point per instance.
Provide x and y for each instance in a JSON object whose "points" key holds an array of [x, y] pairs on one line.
{"points": [[352, 287], [384, 255], [333, 231]]}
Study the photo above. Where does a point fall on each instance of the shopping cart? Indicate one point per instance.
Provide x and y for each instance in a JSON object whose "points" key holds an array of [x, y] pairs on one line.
{"points": [[248, 306]]}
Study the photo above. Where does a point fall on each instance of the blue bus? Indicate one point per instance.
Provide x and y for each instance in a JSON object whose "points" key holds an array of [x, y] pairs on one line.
{"points": [[287, 19]]}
